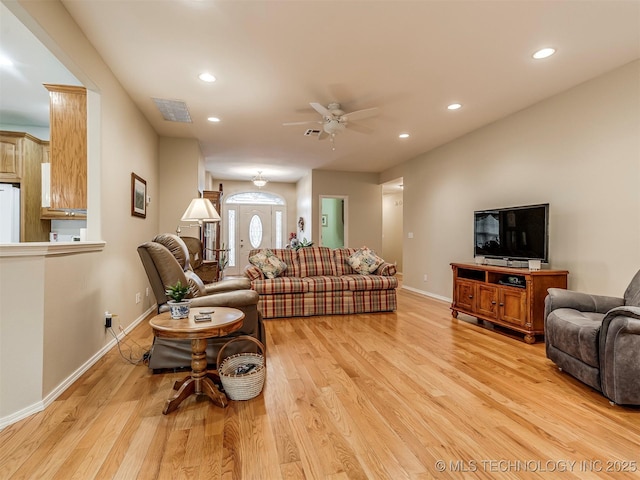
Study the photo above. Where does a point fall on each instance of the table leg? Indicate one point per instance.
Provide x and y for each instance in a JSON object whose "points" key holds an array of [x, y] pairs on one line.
{"points": [[214, 376], [187, 389], [179, 383], [199, 382], [211, 391]]}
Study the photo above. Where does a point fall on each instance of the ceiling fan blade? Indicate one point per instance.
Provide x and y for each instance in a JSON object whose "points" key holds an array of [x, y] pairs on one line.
{"points": [[288, 124], [321, 110], [359, 128], [360, 114]]}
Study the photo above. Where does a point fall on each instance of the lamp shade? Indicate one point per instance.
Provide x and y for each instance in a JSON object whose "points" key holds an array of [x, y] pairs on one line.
{"points": [[200, 210]]}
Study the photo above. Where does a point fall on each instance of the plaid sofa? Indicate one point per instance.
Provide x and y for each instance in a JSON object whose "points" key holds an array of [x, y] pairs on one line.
{"points": [[320, 281]]}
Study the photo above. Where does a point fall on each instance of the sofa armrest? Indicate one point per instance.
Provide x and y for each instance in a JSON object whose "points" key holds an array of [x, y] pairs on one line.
{"points": [[234, 299], [583, 302], [619, 355], [253, 273], [229, 285], [386, 269]]}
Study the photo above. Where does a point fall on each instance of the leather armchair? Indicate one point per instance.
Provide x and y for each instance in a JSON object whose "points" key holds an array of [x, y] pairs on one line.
{"points": [[596, 339], [180, 251], [165, 267], [207, 271]]}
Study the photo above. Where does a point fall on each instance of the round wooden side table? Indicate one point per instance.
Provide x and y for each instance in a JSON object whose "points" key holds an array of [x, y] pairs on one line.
{"points": [[224, 320]]}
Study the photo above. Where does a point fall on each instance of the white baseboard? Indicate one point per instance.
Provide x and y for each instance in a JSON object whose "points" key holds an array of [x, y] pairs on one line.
{"points": [[427, 294], [20, 414], [67, 382]]}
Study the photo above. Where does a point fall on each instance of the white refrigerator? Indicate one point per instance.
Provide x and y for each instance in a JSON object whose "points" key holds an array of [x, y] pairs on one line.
{"points": [[9, 213]]}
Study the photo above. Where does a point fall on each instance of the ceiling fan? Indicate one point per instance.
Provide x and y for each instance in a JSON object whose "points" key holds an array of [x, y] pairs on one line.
{"points": [[334, 120]]}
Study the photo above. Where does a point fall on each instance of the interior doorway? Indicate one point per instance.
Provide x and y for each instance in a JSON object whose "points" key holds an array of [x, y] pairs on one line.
{"points": [[333, 222], [392, 222]]}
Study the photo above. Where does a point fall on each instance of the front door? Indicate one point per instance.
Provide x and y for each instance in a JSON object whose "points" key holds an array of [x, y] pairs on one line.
{"points": [[254, 230]]}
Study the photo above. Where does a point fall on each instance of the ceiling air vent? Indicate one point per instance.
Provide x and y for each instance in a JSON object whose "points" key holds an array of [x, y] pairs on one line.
{"points": [[312, 131], [173, 110]]}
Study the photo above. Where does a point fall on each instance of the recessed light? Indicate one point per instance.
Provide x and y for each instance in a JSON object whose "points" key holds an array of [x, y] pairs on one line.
{"points": [[454, 106], [544, 53], [207, 77], [213, 119], [403, 135]]}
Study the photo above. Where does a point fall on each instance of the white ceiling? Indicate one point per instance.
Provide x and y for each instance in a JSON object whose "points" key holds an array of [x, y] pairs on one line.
{"points": [[409, 58], [23, 99]]}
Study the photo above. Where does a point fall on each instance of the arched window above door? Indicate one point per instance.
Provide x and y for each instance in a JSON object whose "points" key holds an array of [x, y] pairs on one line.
{"points": [[255, 198]]}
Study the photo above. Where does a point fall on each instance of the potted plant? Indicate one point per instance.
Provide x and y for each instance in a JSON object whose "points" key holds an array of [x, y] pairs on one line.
{"points": [[178, 305], [223, 261]]}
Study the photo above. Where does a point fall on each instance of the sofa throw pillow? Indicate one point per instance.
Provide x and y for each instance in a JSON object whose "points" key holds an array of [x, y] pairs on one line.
{"points": [[270, 265], [364, 261]]}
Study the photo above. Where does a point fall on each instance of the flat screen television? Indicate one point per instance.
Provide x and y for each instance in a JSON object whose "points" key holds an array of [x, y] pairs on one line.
{"points": [[516, 233]]}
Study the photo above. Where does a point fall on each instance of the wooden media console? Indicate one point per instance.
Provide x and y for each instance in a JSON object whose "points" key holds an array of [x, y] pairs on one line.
{"points": [[509, 297]]}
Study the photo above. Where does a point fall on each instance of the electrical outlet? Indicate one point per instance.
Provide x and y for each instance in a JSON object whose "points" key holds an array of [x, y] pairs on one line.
{"points": [[425, 278], [146, 292], [138, 297]]}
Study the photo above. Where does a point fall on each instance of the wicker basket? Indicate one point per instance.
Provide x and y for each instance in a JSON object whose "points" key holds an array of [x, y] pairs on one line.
{"points": [[242, 386]]}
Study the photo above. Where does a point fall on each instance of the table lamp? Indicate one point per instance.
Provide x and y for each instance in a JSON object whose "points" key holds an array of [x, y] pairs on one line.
{"points": [[200, 210]]}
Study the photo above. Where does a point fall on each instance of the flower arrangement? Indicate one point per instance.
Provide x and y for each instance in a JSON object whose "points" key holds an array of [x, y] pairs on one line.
{"points": [[298, 244], [293, 240]]}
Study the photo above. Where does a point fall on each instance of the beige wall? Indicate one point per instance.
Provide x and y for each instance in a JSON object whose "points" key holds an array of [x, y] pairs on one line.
{"points": [[304, 202], [179, 162], [21, 333], [364, 215], [61, 324], [578, 151], [392, 217], [285, 190]]}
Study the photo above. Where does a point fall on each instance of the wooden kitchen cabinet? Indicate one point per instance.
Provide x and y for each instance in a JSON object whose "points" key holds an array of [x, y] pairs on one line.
{"points": [[485, 292], [11, 147], [68, 152], [21, 157]]}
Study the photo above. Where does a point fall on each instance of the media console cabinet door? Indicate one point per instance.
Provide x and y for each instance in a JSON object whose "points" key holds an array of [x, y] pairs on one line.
{"points": [[513, 306], [487, 300], [465, 295]]}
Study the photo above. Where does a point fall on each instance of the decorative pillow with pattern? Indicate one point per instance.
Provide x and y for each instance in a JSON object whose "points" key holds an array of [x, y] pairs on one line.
{"points": [[270, 265], [364, 261]]}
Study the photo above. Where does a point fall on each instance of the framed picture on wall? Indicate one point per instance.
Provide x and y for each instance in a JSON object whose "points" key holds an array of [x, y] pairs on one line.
{"points": [[138, 196], [325, 220]]}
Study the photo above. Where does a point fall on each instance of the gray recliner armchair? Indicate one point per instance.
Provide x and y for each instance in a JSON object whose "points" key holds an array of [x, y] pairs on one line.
{"points": [[166, 260], [596, 339]]}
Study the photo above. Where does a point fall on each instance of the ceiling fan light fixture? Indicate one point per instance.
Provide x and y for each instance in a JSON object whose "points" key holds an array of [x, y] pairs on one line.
{"points": [[334, 126], [259, 181]]}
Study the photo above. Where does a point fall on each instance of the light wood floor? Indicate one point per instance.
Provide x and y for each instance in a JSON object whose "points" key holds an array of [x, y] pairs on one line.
{"points": [[384, 396]]}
